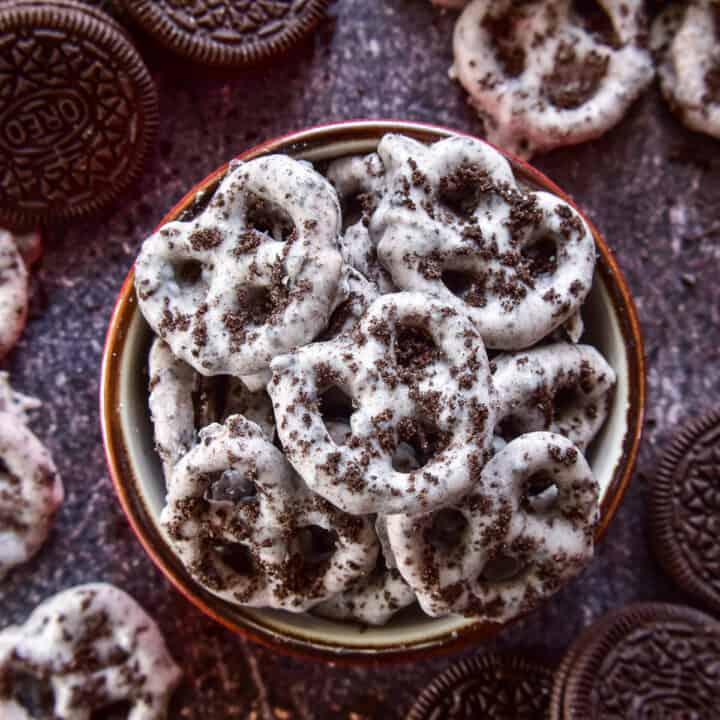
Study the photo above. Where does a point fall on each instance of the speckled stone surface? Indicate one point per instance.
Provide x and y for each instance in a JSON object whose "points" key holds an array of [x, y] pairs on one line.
{"points": [[651, 186]]}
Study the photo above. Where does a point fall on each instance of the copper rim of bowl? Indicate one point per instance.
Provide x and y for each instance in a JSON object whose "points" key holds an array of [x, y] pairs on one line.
{"points": [[122, 473]]}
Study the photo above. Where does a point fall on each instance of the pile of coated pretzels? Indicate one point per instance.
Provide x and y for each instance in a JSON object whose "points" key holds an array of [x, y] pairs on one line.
{"points": [[333, 434]]}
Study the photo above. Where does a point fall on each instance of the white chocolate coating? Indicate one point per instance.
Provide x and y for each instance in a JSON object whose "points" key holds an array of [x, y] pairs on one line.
{"points": [[13, 293], [172, 384], [415, 369], [499, 552], [376, 597], [253, 276], [454, 223], [361, 179], [94, 646], [234, 488], [15, 403], [687, 39], [540, 78], [31, 490], [562, 388]]}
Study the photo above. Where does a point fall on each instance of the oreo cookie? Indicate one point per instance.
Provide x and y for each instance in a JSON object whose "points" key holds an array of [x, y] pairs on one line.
{"points": [[646, 661], [685, 510], [491, 686], [227, 32], [78, 111]]}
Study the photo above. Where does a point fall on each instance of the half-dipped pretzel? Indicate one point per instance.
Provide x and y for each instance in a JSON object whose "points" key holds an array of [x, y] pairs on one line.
{"points": [[524, 530], [252, 276], [91, 646], [247, 529], [454, 223], [374, 598], [359, 181], [563, 388], [686, 38], [30, 487], [13, 293], [415, 371], [542, 75]]}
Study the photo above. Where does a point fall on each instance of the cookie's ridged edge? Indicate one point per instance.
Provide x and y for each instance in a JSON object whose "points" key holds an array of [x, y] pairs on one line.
{"points": [[204, 52], [118, 43], [73, 6], [606, 634], [468, 667], [664, 541], [557, 695]]}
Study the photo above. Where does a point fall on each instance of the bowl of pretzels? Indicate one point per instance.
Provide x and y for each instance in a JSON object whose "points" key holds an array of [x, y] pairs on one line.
{"points": [[372, 390]]}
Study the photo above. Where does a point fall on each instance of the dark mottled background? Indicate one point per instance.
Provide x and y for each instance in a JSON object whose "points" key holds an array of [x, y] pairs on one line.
{"points": [[650, 185]]}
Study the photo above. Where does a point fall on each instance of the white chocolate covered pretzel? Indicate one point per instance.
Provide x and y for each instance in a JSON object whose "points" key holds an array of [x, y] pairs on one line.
{"points": [[13, 293], [30, 488], [454, 223], [414, 371], [686, 38], [172, 411], [542, 75], [562, 388], [90, 647], [247, 529], [524, 530], [252, 276]]}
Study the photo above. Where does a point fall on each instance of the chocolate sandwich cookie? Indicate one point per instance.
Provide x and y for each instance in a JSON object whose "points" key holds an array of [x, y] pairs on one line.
{"points": [[685, 509], [78, 111], [491, 686], [646, 661], [227, 32]]}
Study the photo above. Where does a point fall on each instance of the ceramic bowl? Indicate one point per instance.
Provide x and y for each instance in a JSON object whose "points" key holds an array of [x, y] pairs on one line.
{"points": [[612, 326]]}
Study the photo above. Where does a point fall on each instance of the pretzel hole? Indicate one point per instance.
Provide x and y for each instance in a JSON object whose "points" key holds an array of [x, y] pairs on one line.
{"points": [[270, 219], [510, 428], [540, 492], [502, 568], [119, 710], [414, 347], [316, 544], [566, 402], [188, 272], [468, 286], [423, 440], [593, 17], [335, 404], [237, 557], [574, 80], [509, 54], [32, 693], [357, 207], [540, 257], [255, 303], [232, 486], [404, 459], [447, 530], [460, 190]]}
